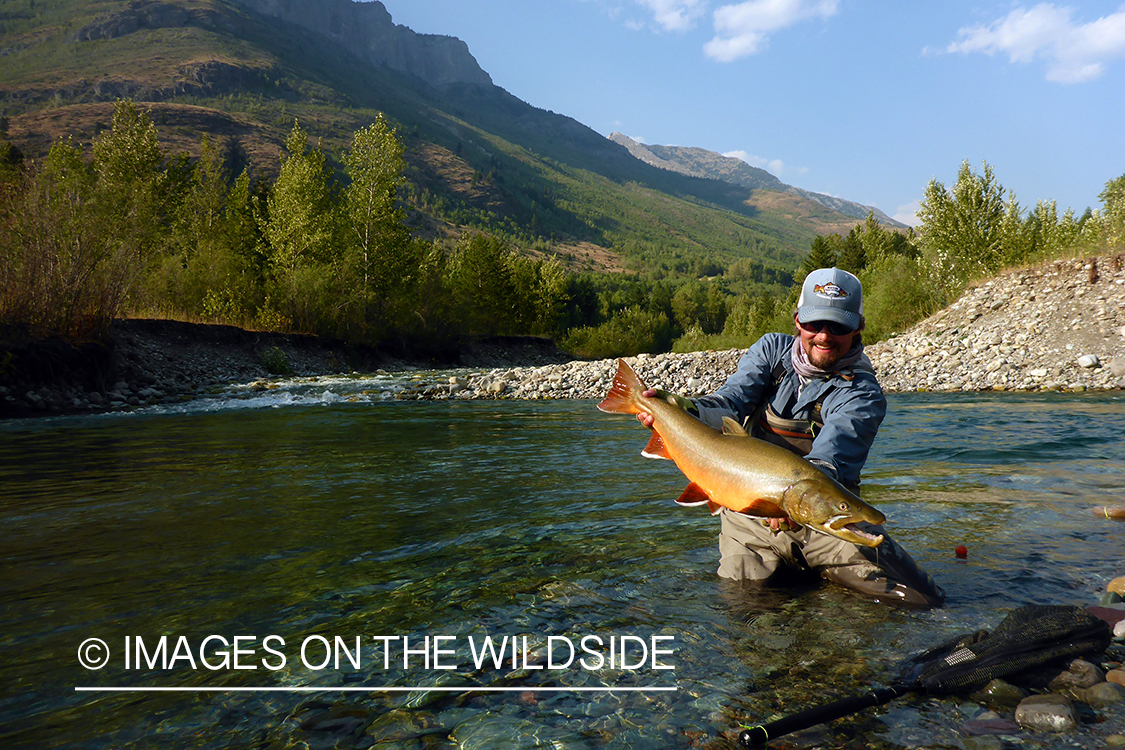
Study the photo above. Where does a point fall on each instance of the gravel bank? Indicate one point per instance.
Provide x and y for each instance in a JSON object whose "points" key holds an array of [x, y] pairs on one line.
{"points": [[1056, 327]]}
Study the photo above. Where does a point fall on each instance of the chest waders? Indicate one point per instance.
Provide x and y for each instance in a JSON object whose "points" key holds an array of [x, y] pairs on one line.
{"points": [[796, 435]]}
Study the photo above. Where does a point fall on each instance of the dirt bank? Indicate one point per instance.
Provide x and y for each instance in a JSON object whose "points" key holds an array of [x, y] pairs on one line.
{"points": [[165, 361]]}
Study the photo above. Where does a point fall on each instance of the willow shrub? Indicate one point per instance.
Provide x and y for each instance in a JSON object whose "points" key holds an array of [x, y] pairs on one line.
{"points": [[897, 293], [629, 332]]}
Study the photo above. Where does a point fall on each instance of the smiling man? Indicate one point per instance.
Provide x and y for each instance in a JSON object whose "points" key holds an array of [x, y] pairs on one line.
{"points": [[814, 393]]}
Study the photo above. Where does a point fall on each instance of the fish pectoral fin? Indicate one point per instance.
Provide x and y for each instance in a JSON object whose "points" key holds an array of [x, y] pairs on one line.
{"points": [[694, 495], [731, 427], [763, 508], [714, 507], [656, 447]]}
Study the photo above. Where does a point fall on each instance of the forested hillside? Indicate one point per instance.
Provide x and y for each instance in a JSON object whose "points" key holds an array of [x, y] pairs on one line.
{"points": [[629, 237], [325, 171]]}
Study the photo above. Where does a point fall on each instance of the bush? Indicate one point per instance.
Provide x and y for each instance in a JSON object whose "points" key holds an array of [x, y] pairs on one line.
{"points": [[275, 361], [897, 293], [629, 332]]}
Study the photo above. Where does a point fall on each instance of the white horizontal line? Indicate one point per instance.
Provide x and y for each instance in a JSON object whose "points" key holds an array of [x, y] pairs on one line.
{"points": [[314, 689]]}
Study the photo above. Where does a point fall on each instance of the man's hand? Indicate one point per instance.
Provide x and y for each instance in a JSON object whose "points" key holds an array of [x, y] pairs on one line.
{"points": [[644, 417], [783, 524], [673, 398]]}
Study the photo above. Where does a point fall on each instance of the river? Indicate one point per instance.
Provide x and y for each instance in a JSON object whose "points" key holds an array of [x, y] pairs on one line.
{"points": [[231, 552]]}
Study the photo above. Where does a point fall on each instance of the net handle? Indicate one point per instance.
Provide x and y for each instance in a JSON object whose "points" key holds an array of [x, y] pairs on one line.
{"points": [[758, 736]]}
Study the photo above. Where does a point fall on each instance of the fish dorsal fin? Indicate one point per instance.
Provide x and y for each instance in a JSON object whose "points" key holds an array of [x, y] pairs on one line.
{"points": [[694, 495], [731, 427], [656, 447]]}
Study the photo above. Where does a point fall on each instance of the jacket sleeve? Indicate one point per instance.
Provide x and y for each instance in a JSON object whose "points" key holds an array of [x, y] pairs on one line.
{"points": [[851, 418], [747, 387]]}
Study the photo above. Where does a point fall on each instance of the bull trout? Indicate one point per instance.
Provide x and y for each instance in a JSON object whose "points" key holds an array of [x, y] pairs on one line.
{"points": [[730, 469]]}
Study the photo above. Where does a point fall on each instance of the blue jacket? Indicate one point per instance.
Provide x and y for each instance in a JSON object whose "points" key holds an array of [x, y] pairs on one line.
{"points": [[852, 410]]}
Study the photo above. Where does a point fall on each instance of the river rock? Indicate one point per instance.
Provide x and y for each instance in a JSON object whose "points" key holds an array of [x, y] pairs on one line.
{"points": [[1078, 674], [1103, 694], [1047, 713], [998, 694]]}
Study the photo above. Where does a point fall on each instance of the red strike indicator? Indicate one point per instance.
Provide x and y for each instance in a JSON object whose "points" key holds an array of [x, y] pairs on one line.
{"points": [[961, 551]]}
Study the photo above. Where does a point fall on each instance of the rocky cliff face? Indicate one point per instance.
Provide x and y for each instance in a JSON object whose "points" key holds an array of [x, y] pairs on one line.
{"points": [[366, 29]]}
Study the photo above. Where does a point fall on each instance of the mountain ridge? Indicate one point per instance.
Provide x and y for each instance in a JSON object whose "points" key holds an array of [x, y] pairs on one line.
{"points": [[699, 162]]}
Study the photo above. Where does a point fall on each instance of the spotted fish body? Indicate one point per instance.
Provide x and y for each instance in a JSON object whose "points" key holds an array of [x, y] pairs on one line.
{"points": [[730, 469]]}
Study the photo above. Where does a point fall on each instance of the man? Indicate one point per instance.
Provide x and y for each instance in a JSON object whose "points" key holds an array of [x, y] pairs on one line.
{"points": [[814, 393]]}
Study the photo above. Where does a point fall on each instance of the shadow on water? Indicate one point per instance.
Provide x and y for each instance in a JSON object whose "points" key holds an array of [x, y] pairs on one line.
{"points": [[505, 520]]}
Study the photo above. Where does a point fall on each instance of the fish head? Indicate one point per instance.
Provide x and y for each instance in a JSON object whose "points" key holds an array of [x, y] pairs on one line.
{"points": [[831, 509]]}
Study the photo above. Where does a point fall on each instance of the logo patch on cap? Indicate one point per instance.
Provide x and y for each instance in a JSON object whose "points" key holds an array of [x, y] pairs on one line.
{"points": [[829, 290]]}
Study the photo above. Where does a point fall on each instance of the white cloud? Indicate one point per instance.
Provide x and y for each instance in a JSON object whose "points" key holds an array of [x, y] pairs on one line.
{"points": [[674, 15], [774, 166], [744, 28], [1074, 52], [908, 213]]}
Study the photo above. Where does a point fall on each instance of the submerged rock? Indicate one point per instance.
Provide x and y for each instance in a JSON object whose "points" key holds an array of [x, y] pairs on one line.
{"points": [[1047, 713]]}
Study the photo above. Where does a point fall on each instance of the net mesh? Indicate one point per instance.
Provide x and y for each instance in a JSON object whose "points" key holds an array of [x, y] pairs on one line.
{"points": [[1029, 637]]}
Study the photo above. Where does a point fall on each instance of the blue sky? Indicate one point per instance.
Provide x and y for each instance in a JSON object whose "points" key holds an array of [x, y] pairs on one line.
{"points": [[866, 100]]}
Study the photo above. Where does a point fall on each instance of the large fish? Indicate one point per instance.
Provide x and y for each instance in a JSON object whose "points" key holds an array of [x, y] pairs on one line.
{"points": [[735, 471]]}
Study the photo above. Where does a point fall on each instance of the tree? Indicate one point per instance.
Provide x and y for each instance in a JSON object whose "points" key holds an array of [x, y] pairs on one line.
{"points": [[298, 227], [961, 233], [1019, 244], [821, 255], [381, 256], [482, 284], [130, 189], [300, 223], [1113, 214]]}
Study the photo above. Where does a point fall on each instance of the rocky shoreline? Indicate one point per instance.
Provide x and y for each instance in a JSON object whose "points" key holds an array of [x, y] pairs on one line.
{"points": [[1056, 327]]}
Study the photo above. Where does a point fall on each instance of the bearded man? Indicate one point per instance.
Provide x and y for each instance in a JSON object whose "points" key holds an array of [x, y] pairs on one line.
{"points": [[816, 394]]}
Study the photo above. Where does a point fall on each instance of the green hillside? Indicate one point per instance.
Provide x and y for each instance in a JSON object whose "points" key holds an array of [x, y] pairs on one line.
{"points": [[531, 175]]}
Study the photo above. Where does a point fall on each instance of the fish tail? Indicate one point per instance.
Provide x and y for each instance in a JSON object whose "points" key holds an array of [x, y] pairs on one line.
{"points": [[625, 394]]}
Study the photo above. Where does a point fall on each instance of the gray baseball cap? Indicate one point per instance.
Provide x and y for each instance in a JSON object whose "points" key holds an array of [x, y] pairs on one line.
{"points": [[831, 294]]}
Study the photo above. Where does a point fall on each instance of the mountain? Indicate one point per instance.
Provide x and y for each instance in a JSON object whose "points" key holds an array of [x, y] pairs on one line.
{"points": [[699, 162], [242, 71]]}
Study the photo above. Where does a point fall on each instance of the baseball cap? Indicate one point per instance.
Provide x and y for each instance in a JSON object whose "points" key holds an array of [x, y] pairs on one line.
{"points": [[831, 294]]}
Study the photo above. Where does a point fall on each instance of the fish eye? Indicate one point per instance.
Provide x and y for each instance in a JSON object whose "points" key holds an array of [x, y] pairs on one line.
{"points": [[843, 505]]}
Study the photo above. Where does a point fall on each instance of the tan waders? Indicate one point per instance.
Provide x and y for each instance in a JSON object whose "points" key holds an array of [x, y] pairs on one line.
{"points": [[751, 551]]}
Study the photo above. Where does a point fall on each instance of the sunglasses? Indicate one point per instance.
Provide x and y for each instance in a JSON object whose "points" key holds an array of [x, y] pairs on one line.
{"points": [[836, 329]]}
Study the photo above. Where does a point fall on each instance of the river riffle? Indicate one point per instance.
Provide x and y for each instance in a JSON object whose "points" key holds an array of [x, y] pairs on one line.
{"points": [[317, 509]]}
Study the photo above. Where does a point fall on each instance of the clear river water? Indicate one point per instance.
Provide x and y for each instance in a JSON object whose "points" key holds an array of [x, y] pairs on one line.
{"points": [[316, 565]]}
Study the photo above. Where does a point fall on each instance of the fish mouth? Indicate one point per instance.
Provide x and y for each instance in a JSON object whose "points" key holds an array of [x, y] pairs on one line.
{"points": [[846, 528]]}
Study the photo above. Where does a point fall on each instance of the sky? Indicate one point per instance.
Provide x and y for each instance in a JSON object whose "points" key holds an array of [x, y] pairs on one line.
{"points": [[866, 100]]}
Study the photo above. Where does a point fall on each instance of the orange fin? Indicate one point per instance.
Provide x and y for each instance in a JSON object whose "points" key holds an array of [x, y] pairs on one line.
{"points": [[624, 393], [763, 507], [656, 447], [694, 495], [731, 427], [714, 507]]}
